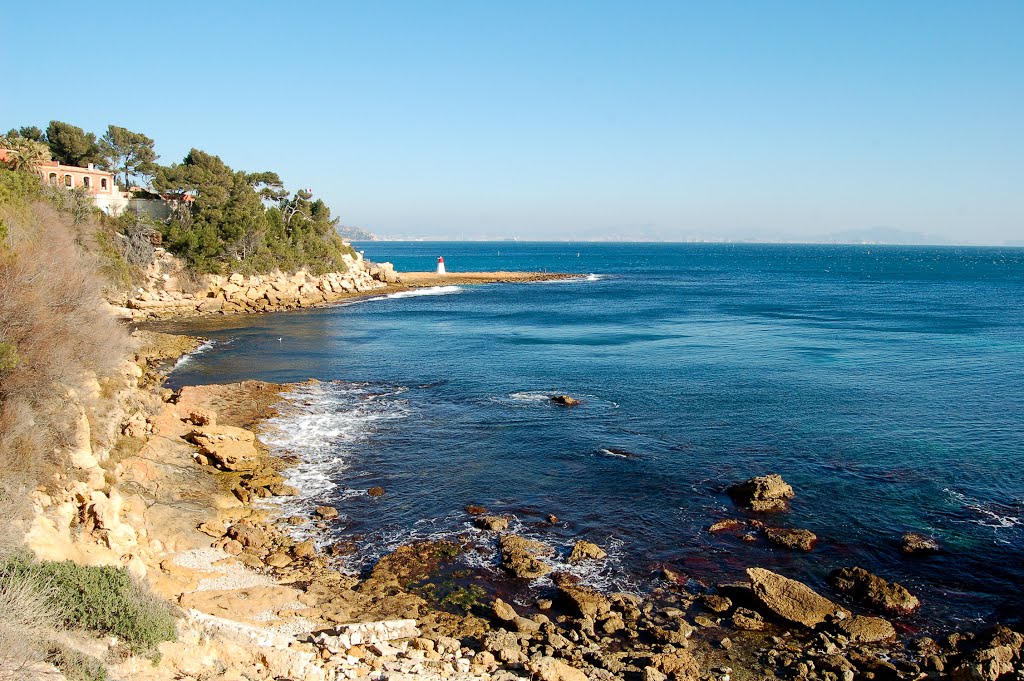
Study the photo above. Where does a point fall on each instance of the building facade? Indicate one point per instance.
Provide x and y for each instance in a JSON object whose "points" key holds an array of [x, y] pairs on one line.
{"points": [[98, 184]]}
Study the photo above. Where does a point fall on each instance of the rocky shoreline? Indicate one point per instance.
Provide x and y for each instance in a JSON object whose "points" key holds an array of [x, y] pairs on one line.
{"points": [[766, 627], [262, 595], [169, 291]]}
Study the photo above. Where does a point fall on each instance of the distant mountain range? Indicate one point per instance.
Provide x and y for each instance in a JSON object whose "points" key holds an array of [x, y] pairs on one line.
{"points": [[356, 233], [881, 235]]}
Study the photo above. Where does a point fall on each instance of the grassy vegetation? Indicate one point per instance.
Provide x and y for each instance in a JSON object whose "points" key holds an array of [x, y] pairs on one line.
{"points": [[103, 600], [76, 666]]}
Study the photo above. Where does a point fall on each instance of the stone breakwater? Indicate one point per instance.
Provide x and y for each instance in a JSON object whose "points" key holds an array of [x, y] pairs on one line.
{"points": [[165, 293]]}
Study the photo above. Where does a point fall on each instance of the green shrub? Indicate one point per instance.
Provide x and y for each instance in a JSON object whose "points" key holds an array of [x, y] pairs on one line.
{"points": [[105, 600], [8, 356]]}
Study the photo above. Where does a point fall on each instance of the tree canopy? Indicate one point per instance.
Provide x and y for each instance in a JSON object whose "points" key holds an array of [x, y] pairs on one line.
{"points": [[222, 219], [71, 145], [129, 152]]}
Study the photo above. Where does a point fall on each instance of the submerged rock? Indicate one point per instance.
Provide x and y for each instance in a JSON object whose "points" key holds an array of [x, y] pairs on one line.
{"points": [[918, 544], [873, 591], [763, 493], [797, 539], [727, 524], [520, 557], [375, 491], [790, 599], [565, 400], [584, 550], [476, 509]]}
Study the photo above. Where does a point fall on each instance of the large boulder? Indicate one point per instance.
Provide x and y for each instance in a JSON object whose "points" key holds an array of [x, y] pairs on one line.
{"points": [[232, 448], [796, 539], [494, 523], [763, 493], [873, 591], [791, 600], [521, 556], [585, 550], [862, 629], [565, 400], [581, 600]]}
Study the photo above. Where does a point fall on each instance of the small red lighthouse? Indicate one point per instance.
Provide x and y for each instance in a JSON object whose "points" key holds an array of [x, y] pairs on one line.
{"points": [[440, 265]]}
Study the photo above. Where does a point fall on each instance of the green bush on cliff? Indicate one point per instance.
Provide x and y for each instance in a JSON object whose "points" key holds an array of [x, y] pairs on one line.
{"points": [[104, 600]]}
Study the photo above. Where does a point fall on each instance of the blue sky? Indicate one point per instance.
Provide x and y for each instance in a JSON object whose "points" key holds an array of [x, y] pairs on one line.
{"points": [[575, 120]]}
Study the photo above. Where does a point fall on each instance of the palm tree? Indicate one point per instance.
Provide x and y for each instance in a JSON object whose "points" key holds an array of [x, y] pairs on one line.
{"points": [[24, 154]]}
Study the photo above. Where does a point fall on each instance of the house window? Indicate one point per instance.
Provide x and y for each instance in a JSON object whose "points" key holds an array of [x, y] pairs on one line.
{"points": [[87, 182], [52, 178], [67, 181], [103, 183]]}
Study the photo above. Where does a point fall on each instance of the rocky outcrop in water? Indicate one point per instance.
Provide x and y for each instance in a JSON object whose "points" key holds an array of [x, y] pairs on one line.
{"points": [[874, 592], [521, 556], [763, 493], [918, 544], [584, 550], [796, 539], [565, 400]]}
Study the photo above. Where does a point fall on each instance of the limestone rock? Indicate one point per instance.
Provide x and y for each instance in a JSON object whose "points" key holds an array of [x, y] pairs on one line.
{"points": [[747, 620], [862, 629], [504, 611], [763, 493], [326, 512], [584, 550], [375, 491], [520, 557], [581, 600], [797, 539], [565, 400], [918, 544], [232, 448], [790, 599], [491, 522], [550, 669], [873, 591], [248, 535]]}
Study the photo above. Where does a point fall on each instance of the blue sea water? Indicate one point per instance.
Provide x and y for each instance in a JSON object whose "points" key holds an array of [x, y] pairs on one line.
{"points": [[886, 384]]}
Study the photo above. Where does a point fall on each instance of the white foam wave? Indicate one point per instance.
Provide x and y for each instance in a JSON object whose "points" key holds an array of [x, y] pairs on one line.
{"points": [[987, 517], [428, 291], [188, 357], [319, 424], [531, 396]]}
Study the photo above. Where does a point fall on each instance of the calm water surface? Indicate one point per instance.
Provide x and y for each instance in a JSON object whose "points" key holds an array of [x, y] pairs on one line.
{"points": [[886, 384]]}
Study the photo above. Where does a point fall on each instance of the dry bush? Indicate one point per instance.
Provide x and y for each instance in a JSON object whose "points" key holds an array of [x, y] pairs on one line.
{"points": [[53, 320], [27, 617]]}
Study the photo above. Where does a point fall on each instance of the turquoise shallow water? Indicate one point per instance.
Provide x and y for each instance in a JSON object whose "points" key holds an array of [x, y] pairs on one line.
{"points": [[886, 384]]}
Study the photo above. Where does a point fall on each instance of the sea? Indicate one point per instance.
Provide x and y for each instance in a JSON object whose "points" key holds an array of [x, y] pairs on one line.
{"points": [[884, 383]]}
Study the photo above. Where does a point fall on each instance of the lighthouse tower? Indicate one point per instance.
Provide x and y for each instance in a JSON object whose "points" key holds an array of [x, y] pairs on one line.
{"points": [[440, 266]]}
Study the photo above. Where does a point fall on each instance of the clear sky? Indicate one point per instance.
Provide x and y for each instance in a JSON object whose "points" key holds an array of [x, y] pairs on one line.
{"points": [[577, 120]]}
